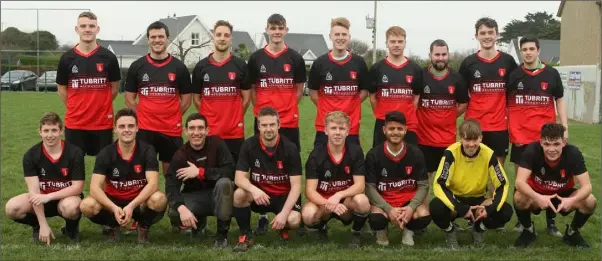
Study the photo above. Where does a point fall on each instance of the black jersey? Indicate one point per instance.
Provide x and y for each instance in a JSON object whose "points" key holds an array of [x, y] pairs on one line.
{"points": [[159, 84], [220, 84], [396, 178], [54, 174], [334, 176], [125, 178], [547, 177], [88, 78], [270, 169]]}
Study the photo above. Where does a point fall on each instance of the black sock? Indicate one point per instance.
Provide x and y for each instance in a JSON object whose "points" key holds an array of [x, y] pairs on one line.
{"points": [[419, 223], [524, 217], [150, 217], [243, 218], [579, 220], [358, 221], [104, 217], [318, 226], [72, 225], [550, 215], [29, 219], [477, 226], [223, 226]]}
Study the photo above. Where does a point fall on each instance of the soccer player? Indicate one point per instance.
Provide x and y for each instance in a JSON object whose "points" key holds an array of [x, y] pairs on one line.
{"points": [[54, 173], [461, 183], [545, 180], [274, 164], [533, 92], [218, 82], [88, 81], [125, 182], [395, 85], [339, 81], [206, 169], [443, 98], [397, 183], [335, 181]]}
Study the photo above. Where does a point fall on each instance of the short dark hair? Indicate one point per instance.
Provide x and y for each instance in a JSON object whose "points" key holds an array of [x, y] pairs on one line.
{"points": [[88, 15], [488, 22], [222, 23], [470, 129], [195, 116], [552, 131], [267, 111], [126, 112], [395, 116], [439, 42], [157, 25], [529, 39], [51, 118], [277, 19]]}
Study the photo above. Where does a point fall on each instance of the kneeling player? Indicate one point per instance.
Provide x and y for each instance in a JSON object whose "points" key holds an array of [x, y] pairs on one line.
{"points": [[335, 179], [460, 185], [54, 173], [397, 183], [545, 179], [275, 184], [205, 166], [128, 171]]}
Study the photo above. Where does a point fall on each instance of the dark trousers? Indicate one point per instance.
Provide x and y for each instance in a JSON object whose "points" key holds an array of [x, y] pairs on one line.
{"points": [[442, 215]]}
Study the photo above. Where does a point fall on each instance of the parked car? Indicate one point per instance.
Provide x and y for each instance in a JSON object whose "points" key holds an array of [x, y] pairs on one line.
{"points": [[19, 80], [47, 81]]}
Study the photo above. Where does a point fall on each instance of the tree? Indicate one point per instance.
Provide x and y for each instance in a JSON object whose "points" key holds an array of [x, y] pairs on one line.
{"points": [[242, 52], [540, 24], [47, 41], [65, 47], [380, 54], [358, 47], [183, 49], [13, 39]]}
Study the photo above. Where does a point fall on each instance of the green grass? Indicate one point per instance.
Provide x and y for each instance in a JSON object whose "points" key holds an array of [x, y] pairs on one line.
{"points": [[19, 123]]}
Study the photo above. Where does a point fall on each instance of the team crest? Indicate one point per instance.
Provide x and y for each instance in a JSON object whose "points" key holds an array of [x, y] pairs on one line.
{"points": [[138, 168], [280, 165], [353, 75], [451, 89], [287, 67], [562, 173], [409, 78], [171, 77], [347, 171], [544, 85], [100, 67], [231, 75], [408, 170], [501, 72], [64, 171]]}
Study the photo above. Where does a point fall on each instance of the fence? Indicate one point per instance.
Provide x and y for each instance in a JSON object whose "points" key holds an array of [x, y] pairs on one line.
{"points": [[582, 92]]}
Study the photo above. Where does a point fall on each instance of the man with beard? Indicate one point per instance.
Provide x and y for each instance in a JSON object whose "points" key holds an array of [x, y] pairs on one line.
{"points": [[205, 167], [274, 164], [397, 183], [461, 183], [125, 182], [162, 84]]}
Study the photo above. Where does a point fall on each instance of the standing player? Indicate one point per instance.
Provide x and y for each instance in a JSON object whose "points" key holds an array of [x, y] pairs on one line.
{"points": [[88, 81], [125, 182], [274, 165], [54, 172], [395, 85], [443, 98], [397, 183], [533, 92], [335, 181], [545, 180], [206, 169], [339, 81]]}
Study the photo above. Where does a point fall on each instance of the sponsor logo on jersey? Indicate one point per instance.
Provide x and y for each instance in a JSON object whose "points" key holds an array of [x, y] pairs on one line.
{"points": [[206, 77], [409, 78], [280, 165], [276, 83], [451, 89], [477, 74], [384, 172], [501, 72], [385, 79], [144, 91], [544, 85], [262, 69], [353, 74], [408, 170], [74, 69], [396, 92], [489, 87], [231, 75], [532, 99], [396, 185], [64, 171], [287, 67], [171, 77], [427, 89], [100, 67], [201, 159], [328, 76], [138, 168], [115, 172], [145, 77]]}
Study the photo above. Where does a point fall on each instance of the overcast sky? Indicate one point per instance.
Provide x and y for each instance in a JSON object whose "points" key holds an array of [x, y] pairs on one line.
{"points": [[424, 21]]}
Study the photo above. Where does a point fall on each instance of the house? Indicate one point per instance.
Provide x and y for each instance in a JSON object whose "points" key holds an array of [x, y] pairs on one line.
{"points": [[580, 32], [310, 46], [549, 50]]}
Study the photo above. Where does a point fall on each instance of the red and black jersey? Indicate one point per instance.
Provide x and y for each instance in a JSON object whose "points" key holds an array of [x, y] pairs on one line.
{"points": [[270, 168], [88, 79], [275, 76], [395, 87], [339, 84], [487, 80], [54, 174], [125, 178], [531, 100], [437, 110], [547, 177], [220, 85], [159, 84], [396, 178], [334, 176]]}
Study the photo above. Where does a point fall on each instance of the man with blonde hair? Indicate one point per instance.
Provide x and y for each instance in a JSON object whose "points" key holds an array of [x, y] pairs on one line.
{"points": [[335, 181]]}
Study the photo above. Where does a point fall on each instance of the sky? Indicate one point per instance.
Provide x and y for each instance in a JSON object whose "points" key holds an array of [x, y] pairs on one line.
{"points": [[424, 21]]}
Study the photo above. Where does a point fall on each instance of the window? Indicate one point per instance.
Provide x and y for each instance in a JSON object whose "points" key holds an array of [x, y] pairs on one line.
{"points": [[195, 38]]}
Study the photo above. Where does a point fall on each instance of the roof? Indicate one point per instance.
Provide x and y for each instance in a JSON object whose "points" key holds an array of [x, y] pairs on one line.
{"points": [[175, 25], [303, 42], [124, 47], [549, 50]]}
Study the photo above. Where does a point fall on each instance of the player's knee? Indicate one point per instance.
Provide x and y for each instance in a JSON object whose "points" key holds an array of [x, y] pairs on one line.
{"points": [[69, 207], [419, 223], [438, 208], [157, 201], [309, 214], [14, 210], [520, 200], [89, 207], [421, 211], [224, 186], [294, 220], [590, 204], [378, 221], [241, 198], [505, 213], [362, 204]]}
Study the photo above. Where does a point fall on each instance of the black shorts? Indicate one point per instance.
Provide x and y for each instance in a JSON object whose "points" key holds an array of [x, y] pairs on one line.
{"points": [[291, 134], [516, 152], [556, 202], [322, 138], [497, 141], [51, 208], [276, 205], [234, 146], [379, 136], [432, 156], [90, 141], [164, 145]]}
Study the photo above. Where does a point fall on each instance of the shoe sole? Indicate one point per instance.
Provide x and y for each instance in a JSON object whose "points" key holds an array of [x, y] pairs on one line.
{"points": [[526, 244]]}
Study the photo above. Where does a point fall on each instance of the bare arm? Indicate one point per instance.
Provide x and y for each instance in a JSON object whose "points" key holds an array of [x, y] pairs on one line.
{"points": [[241, 179], [152, 186], [585, 187], [246, 100], [373, 101], [114, 89], [33, 187], [521, 183], [313, 94], [311, 193], [97, 183], [196, 99], [416, 100], [461, 109], [299, 88], [358, 187], [253, 95], [185, 100], [293, 194], [130, 100], [62, 92], [76, 188], [363, 95]]}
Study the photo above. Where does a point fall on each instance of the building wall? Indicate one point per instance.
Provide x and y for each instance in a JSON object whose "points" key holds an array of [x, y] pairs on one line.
{"points": [[196, 54], [580, 33], [582, 96]]}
